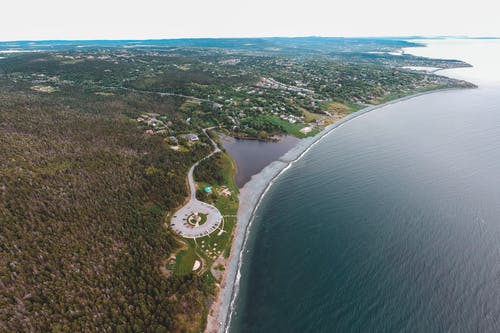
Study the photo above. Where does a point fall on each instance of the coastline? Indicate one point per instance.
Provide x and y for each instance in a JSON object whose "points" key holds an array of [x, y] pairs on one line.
{"points": [[250, 197]]}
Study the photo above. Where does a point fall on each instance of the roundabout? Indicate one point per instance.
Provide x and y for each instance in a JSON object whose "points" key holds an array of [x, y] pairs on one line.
{"points": [[188, 221]]}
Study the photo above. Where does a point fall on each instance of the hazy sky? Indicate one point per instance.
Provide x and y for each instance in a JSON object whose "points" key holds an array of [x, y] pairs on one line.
{"points": [[111, 19]]}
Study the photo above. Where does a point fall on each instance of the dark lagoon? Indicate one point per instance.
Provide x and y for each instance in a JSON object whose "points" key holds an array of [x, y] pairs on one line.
{"points": [[391, 223], [251, 156]]}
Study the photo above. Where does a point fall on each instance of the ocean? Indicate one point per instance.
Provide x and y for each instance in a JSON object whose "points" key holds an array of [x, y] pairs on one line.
{"points": [[390, 223]]}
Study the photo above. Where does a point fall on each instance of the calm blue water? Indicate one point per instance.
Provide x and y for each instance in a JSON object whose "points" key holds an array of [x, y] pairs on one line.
{"points": [[390, 224], [251, 156]]}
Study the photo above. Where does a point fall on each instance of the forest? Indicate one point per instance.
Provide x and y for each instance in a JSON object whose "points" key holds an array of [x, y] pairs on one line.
{"points": [[83, 196]]}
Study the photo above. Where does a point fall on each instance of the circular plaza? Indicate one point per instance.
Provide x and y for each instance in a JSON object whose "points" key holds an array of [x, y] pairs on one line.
{"points": [[196, 219]]}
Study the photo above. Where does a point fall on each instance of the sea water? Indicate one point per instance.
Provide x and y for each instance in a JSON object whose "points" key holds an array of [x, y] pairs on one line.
{"points": [[391, 223]]}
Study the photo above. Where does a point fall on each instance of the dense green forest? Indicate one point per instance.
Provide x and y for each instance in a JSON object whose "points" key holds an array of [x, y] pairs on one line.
{"points": [[210, 170], [83, 193]]}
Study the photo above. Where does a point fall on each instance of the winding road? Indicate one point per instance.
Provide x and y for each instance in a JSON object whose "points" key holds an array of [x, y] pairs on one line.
{"points": [[179, 221]]}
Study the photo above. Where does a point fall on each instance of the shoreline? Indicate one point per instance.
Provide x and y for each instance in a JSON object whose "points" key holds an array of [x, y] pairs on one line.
{"points": [[250, 197]]}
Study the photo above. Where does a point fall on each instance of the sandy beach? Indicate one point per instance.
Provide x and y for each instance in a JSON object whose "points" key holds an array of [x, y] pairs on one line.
{"points": [[250, 197]]}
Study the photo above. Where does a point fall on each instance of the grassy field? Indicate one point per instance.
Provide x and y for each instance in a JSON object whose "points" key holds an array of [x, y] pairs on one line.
{"points": [[184, 262], [289, 128], [340, 108], [355, 107], [310, 116]]}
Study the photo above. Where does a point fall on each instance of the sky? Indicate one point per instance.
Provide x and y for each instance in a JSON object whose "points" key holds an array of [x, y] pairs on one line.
{"points": [[152, 19]]}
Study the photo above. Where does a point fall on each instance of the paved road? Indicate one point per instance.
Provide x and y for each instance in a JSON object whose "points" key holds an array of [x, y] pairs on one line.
{"points": [[179, 221], [159, 93]]}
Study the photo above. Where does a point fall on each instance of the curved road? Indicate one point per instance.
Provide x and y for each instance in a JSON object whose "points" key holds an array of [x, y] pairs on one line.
{"points": [[179, 221]]}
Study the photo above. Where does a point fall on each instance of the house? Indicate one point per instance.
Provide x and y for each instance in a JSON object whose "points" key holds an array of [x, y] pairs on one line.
{"points": [[154, 122]]}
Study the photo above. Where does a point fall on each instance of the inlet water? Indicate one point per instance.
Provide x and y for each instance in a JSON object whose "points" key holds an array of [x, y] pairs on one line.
{"points": [[251, 156]]}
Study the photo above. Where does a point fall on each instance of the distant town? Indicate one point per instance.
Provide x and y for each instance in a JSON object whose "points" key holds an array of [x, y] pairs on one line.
{"points": [[247, 93]]}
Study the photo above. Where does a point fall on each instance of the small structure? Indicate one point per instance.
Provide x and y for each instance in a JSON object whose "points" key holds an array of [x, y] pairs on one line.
{"points": [[154, 122], [193, 137]]}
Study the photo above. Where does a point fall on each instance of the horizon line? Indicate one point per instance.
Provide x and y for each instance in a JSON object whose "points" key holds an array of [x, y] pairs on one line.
{"points": [[408, 37]]}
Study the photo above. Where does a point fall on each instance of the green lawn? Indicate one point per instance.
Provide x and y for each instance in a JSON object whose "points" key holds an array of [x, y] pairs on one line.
{"points": [[289, 128], [203, 218], [355, 107], [185, 261]]}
